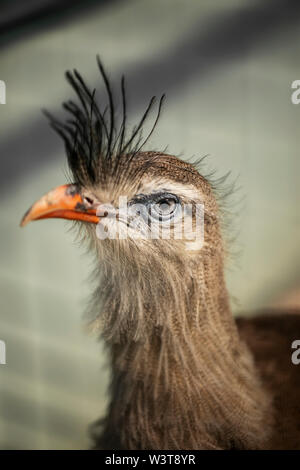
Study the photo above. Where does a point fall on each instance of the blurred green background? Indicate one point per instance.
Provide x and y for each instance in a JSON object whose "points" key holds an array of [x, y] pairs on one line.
{"points": [[227, 69]]}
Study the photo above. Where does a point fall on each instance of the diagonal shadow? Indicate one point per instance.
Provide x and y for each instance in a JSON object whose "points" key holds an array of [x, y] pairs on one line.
{"points": [[19, 20], [228, 39]]}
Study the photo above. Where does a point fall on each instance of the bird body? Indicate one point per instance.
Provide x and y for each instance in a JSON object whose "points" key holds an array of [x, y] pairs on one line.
{"points": [[269, 336], [182, 375]]}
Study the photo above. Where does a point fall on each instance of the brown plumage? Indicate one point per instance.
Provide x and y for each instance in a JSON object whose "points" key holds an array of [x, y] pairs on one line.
{"points": [[183, 375], [269, 336]]}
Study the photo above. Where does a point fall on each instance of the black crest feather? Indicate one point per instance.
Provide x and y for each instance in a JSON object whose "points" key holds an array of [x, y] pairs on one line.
{"points": [[95, 139]]}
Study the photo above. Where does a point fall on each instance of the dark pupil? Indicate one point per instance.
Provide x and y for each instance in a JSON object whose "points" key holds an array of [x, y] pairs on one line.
{"points": [[166, 206]]}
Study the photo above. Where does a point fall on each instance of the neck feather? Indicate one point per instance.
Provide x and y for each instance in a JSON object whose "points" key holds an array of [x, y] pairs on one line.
{"points": [[181, 377]]}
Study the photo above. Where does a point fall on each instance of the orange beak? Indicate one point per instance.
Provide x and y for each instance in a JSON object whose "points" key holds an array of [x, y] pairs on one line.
{"points": [[63, 202]]}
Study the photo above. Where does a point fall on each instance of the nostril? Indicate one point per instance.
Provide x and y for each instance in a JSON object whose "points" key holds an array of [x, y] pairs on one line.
{"points": [[88, 200]]}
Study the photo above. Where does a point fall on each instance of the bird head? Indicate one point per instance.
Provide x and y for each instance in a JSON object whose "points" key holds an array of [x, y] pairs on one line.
{"points": [[144, 213]]}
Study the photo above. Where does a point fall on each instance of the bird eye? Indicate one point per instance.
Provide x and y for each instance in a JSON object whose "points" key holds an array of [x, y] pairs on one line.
{"points": [[164, 208]]}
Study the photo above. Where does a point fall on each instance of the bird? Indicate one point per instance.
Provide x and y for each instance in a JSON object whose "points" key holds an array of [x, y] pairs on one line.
{"points": [[185, 374]]}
